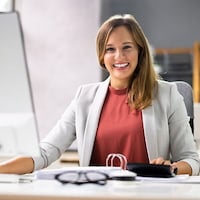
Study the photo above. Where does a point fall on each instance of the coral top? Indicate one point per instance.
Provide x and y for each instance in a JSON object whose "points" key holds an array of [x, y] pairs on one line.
{"points": [[120, 130]]}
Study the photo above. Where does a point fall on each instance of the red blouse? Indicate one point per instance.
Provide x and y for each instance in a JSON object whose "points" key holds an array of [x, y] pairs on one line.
{"points": [[120, 130]]}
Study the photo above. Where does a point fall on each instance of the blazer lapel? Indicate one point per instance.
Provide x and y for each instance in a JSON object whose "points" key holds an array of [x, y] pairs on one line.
{"points": [[150, 133], [92, 123]]}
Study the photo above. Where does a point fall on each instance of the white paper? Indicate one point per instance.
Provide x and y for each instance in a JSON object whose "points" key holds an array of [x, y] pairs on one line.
{"points": [[50, 173], [176, 179]]}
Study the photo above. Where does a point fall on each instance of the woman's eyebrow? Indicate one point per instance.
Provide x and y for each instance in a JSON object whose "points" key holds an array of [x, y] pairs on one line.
{"points": [[107, 45], [122, 43], [131, 42]]}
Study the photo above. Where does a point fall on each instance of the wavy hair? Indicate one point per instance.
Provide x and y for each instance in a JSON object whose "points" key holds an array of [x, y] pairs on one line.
{"points": [[143, 81]]}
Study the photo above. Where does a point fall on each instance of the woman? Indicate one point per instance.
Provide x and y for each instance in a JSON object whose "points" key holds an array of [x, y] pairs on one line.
{"points": [[131, 112]]}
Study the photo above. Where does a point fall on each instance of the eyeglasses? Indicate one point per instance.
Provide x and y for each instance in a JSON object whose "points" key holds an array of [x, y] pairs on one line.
{"points": [[93, 176], [82, 177]]}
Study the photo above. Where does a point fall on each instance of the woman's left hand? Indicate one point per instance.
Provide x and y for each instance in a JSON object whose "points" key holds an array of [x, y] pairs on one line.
{"points": [[181, 167], [160, 161]]}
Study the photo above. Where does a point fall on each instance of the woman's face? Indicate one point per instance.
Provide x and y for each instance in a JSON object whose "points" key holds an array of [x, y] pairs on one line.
{"points": [[121, 57]]}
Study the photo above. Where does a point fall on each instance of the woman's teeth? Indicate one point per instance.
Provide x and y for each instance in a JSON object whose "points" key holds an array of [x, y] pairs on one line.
{"points": [[121, 65]]}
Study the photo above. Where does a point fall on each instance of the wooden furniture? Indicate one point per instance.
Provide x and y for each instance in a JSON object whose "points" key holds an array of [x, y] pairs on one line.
{"points": [[195, 52], [196, 71]]}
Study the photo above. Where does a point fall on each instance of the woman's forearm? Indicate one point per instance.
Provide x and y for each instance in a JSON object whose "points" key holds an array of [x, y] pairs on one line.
{"points": [[18, 165]]}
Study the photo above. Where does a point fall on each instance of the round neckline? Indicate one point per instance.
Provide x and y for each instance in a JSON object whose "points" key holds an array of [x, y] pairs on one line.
{"points": [[117, 91]]}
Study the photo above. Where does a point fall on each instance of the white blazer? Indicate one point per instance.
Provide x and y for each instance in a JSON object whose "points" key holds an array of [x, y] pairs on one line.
{"points": [[166, 127]]}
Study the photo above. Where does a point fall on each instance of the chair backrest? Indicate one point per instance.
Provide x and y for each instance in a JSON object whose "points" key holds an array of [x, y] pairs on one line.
{"points": [[186, 91]]}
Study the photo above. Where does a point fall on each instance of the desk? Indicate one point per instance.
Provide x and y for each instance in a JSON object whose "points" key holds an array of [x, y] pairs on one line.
{"points": [[50, 189]]}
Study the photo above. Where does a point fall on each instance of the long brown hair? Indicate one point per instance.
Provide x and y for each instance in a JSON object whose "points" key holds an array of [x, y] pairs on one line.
{"points": [[144, 79]]}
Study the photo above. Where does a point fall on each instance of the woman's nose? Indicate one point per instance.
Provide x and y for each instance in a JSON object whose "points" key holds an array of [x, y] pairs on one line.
{"points": [[119, 54]]}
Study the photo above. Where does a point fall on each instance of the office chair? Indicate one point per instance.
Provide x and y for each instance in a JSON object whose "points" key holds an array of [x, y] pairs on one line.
{"points": [[186, 91]]}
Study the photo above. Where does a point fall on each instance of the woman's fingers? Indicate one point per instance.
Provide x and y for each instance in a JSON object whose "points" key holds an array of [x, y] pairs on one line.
{"points": [[160, 161]]}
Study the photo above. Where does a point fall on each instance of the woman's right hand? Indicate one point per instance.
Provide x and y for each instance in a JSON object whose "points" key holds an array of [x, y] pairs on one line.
{"points": [[18, 165]]}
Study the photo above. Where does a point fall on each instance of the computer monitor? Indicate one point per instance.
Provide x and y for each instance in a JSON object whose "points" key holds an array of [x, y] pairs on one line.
{"points": [[18, 125]]}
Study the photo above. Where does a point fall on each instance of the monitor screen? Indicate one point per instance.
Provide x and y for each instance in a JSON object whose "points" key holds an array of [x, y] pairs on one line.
{"points": [[18, 125]]}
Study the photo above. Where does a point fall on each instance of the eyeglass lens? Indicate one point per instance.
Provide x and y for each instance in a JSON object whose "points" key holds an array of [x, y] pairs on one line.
{"points": [[82, 177]]}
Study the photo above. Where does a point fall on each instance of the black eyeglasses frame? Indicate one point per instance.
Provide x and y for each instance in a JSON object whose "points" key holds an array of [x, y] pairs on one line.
{"points": [[99, 181]]}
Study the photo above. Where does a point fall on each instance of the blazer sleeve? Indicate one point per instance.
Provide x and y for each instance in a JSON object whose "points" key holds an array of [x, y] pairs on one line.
{"points": [[182, 142], [58, 139]]}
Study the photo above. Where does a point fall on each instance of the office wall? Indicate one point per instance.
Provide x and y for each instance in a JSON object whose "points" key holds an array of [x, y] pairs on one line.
{"points": [[60, 47], [170, 23]]}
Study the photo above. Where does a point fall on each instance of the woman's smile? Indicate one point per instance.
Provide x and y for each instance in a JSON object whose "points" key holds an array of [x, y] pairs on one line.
{"points": [[121, 65]]}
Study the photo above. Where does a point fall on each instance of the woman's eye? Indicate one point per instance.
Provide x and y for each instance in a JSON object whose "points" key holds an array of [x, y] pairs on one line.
{"points": [[110, 49], [127, 47]]}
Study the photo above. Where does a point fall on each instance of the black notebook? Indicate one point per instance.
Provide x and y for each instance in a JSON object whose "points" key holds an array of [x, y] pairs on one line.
{"points": [[151, 170]]}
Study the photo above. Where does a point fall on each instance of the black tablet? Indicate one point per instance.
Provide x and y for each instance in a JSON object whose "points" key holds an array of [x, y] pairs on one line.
{"points": [[151, 170]]}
